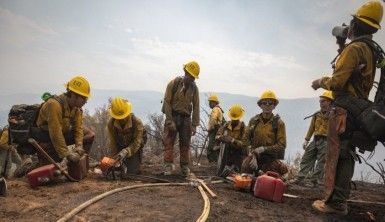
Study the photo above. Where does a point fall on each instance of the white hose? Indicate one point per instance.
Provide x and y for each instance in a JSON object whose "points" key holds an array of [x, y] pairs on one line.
{"points": [[202, 218]]}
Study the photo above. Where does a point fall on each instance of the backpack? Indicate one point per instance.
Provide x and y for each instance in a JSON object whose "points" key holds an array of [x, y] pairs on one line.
{"points": [[369, 116], [274, 124], [178, 80], [22, 118]]}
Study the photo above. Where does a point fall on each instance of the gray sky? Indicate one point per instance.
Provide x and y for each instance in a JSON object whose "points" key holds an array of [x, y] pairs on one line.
{"points": [[243, 47]]}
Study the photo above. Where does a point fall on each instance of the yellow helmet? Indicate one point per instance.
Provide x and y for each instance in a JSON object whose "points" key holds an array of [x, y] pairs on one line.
{"points": [[236, 112], [79, 85], [120, 108], [268, 94], [328, 95], [192, 68], [370, 13], [213, 98]]}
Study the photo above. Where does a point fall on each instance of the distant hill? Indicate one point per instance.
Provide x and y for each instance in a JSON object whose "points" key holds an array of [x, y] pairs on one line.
{"points": [[292, 111]]}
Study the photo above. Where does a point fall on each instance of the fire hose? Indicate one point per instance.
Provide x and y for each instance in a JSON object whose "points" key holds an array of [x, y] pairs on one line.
{"points": [[203, 217]]}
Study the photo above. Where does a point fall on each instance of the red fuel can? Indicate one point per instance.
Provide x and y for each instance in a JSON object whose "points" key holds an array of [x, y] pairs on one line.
{"points": [[79, 170], [43, 175], [270, 187]]}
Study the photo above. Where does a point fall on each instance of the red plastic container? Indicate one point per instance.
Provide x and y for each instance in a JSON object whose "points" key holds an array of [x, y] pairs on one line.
{"points": [[43, 175], [270, 187], [79, 170]]}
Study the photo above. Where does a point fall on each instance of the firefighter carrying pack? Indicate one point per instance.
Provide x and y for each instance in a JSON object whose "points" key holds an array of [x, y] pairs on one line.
{"points": [[274, 123], [369, 116], [22, 125]]}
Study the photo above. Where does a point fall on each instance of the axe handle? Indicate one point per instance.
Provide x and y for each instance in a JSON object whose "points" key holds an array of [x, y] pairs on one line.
{"points": [[45, 154]]}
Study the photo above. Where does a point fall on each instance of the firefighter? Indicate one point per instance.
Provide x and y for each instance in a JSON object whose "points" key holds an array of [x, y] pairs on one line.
{"points": [[181, 107], [8, 154], [265, 138], [215, 121], [232, 151], [344, 84], [60, 124], [125, 134], [315, 151]]}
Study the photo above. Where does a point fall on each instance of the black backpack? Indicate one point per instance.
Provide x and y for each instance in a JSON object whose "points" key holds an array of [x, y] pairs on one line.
{"points": [[369, 116], [22, 118]]}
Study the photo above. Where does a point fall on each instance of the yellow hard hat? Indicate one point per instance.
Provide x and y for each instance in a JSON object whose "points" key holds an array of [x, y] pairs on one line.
{"points": [[328, 95], [120, 108], [370, 13], [268, 94], [213, 98], [79, 85], [236, 112], [192, 68]]}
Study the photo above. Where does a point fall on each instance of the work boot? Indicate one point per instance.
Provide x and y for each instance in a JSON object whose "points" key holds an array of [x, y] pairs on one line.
{"points": [[185, 170], [335, 208], [3, 187], [168, 168], [26, 166]]}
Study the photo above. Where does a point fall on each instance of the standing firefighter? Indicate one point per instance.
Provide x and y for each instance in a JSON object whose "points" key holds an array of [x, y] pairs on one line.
{"points": [[265, 139], [181, 102], [215, 121], [125, 133], [315, 151], [350, 83], [60, 123], [232, 151]]}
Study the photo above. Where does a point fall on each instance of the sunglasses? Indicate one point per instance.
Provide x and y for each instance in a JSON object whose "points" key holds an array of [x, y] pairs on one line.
{"points": [[267, 103]]}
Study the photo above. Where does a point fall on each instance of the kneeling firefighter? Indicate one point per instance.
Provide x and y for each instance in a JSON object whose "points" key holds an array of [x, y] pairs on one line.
{"points": [[265, 138], [126, 137], [59, 124], [232, 151]]}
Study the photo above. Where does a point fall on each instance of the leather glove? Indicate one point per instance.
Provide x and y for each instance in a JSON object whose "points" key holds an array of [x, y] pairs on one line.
{"points": [[64, 162], [305, 144], [253, 162], [171, 126], [193, 130], [73, 157], [226, 139], [259, 150], [122, 154], [79, 149]]}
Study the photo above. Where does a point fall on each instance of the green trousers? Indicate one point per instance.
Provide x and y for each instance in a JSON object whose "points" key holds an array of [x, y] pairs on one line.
{"points": [[212, 155], [344, 173], [313, 160]]}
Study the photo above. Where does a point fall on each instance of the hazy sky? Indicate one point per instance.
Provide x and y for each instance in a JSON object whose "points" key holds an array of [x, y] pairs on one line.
{"points": [[242, 47]]}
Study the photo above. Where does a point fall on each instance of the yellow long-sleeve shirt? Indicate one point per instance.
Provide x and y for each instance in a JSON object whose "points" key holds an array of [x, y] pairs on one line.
{"points": [[236, 133], [128, 137], [184, 101], [352, 56], [216, 118], [52, 118], [319, 125], [4, 140], [259, 132]]}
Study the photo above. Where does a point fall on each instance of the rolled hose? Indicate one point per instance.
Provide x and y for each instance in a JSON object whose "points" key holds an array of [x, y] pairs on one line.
{"points": [[203, 217]]}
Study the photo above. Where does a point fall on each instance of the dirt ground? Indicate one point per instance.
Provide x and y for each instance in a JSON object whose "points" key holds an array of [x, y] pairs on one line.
{"points": [[178, 203]]}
